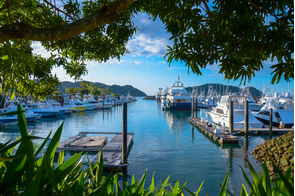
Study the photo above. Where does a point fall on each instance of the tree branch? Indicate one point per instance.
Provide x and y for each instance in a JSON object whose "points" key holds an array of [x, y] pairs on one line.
{"points": [[277, 18], [106, 15], [59, 10]]}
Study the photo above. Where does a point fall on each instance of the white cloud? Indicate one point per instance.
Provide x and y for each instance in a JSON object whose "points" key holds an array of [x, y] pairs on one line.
{"points": [[137, 62], [164, 62], [112, 62], [39, 49]]}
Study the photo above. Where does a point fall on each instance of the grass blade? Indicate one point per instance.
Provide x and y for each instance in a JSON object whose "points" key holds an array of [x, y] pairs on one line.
{"points": [[54, 143], [80, 185], [259, 190], [266, 179], [288, 185], [224, 185], [244, 191]]}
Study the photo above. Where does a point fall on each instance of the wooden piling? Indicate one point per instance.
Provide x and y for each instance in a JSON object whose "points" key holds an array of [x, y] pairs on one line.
{"points": [[124, 137], [231, 116], [193, 108], [246, 114], [270, 123]]}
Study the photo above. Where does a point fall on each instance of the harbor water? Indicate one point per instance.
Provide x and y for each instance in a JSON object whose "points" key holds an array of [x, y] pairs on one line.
{"points": [[165, 143]]}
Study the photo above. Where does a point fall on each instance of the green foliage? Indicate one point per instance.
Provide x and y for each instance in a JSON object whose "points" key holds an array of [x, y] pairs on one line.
{"points": [[238, 36], [262, 185]]}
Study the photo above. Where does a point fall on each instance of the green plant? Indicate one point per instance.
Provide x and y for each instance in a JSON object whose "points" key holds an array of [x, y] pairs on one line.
{"points": [[262, 185]]}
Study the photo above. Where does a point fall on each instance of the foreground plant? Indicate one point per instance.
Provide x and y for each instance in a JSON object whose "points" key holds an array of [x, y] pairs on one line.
{"points": [[262, 185]]}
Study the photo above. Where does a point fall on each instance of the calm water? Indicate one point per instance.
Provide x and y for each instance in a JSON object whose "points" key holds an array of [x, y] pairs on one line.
{"points": [[164, 142]]}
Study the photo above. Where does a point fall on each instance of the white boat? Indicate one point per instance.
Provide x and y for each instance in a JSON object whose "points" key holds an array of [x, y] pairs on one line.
{"points": [[8, 120], [90, 101], [220, 113], [158, 95], [252, 103], [105, 103], [30, 116], [178, 98], [283, 112], [54, 105], [40, 108], [211, 99]]}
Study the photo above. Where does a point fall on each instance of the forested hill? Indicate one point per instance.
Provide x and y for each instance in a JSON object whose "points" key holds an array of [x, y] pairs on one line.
{"points": [[121, 90], [220, 88]]}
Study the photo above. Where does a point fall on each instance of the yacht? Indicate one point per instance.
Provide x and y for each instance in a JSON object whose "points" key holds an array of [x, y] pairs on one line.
{"points": [[283, 112], [220, 113], [40, 108], [158, 95], [105, 102], [252, 103], [178, 98], [74, 107]]}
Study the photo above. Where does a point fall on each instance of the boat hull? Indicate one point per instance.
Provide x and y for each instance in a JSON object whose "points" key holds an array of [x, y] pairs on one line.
{"points": [[79, 109], [275, 124], [181, 106]]}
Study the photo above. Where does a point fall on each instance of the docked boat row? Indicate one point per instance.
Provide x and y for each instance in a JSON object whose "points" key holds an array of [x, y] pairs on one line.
{"points": [[282, 104], [51, 108]]}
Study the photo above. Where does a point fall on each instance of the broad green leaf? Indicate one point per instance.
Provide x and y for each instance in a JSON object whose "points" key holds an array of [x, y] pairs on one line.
{"points": [[54, 143]]}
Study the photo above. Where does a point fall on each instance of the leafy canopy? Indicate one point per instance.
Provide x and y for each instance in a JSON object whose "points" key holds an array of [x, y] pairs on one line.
{"points": [[237, 35]]}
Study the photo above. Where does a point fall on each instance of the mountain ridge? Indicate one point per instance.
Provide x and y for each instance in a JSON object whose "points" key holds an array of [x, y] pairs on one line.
{"points": [[121, 90]]}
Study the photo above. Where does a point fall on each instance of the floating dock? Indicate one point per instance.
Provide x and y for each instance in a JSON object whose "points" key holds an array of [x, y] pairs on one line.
{"points": [[221, 137], [112, 150], [262, 131]]}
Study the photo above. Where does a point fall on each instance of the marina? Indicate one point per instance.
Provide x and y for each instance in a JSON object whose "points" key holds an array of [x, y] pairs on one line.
{"points": [[164, 142]]}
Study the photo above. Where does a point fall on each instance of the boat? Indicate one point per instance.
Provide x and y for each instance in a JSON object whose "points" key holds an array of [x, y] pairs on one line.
{"points": [[252, 103], [89, 101], [158, 95], [220, 113], [78, 107], [211, 98], [105, 102], [41, 108], [178, 98], [8, 120], [282, 112]]}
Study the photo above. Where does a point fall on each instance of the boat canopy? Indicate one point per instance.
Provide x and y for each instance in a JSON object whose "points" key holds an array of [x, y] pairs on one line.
{"points": [[287, 116]]}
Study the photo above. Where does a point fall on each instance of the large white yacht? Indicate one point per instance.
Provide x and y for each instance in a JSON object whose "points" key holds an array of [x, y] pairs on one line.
{"points": [[220, 113], [178, 98]]}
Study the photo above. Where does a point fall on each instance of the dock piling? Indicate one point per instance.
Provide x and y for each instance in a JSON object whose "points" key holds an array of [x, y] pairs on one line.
{"points": [[270, 123], [231, 117], [246, 114], [193, 108], [124, 137]]}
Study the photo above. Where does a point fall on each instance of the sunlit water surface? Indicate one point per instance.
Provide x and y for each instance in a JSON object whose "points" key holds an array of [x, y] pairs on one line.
{"points": [[164, 142]]}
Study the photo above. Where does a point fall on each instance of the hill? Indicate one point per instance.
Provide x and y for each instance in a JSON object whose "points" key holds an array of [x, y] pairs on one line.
{"points": [[121, 90], [222, 89]]}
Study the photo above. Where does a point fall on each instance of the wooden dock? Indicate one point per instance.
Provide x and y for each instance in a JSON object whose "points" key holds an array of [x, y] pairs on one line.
{"points": [[262, 131], [221, 137], [112, 150]]}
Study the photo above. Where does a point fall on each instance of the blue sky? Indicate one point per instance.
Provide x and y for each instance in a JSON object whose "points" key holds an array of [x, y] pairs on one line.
{"points": [[146, 69]]}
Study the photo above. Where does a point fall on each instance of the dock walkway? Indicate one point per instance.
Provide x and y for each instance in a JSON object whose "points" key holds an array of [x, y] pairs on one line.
{"points": [[112, 150], [222, 138]]}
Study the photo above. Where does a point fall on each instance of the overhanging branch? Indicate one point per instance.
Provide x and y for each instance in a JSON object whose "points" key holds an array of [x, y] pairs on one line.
{"points": [[106, 15]]}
